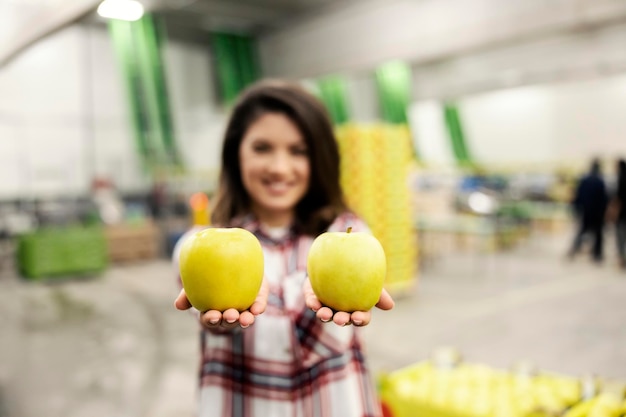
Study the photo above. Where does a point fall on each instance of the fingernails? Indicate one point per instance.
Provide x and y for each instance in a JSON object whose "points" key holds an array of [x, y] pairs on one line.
{"points": [[325, 320], [231, 321], [245, 327], [357, 322], [214, 321]]}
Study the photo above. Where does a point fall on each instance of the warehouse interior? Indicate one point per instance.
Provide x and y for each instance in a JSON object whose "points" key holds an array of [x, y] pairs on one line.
{"points": [[464, 129]]}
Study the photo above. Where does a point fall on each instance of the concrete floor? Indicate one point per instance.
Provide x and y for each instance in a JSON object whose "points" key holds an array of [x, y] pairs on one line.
{"points": [[114, 346]]}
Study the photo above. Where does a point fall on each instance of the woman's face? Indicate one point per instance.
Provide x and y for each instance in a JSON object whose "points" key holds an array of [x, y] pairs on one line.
{"points": [[275, 168]]}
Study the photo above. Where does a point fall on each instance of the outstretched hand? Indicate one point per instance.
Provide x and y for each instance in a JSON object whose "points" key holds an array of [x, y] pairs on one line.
{"points": [[231, 318], [343, 318]]}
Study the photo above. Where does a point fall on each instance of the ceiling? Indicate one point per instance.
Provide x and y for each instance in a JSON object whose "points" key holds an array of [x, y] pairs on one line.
{"points": [[23, 22], [186, 17]]}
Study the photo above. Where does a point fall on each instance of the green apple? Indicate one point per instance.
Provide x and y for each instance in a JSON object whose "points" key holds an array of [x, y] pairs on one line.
{"points": [[221, 268], [347, 270]]}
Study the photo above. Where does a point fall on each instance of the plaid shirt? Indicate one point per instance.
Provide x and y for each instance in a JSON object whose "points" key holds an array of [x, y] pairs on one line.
{"points": [[288, 363]]}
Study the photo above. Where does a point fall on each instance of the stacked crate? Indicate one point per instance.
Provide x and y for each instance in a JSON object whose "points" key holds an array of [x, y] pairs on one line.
{"points": [[375, 163], [62, 252], [132, 242]]}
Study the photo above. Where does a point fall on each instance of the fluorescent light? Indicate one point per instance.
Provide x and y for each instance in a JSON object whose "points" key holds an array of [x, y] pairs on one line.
{"points": [[481, 203], [129, 10]]}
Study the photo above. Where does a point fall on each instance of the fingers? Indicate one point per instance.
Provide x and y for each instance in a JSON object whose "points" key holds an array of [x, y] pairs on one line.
{"points": [[260, 304], [325, 314], [181, 302], [211, 319], [361, 318], [230, 319], [227, 320], [246, 318], [312, 302], [385, 302], [214, 319], [310, 299], [341, 318]]}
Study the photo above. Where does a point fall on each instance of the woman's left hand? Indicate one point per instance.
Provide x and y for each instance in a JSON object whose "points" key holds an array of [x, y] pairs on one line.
{"points": [[343, 318], [230, 318]]}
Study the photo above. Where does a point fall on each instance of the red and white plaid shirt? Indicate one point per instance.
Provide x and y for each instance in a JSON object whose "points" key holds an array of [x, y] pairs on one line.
{"points": [[288, 363]]}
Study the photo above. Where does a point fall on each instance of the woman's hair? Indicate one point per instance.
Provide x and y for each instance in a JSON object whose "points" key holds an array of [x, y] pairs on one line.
{"points": [[323, 201]]}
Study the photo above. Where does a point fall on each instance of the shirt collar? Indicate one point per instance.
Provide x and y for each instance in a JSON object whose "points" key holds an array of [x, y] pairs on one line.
{"points": [[252, 224]]}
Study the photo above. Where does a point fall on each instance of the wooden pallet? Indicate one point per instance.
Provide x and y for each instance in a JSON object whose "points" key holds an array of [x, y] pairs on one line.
{"points": [[130, 243]]}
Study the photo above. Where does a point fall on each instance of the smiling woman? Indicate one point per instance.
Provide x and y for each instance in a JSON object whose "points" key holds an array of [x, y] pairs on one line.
{"points": [[279, 141], [279, 358], [274, 168]]}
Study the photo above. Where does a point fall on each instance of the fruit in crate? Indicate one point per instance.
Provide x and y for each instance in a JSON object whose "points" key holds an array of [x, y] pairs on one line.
{"points": [[221, 268], [347, 270]]}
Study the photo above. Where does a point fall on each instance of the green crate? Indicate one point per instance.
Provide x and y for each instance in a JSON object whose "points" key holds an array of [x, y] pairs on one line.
{"points": [[62, 252]]}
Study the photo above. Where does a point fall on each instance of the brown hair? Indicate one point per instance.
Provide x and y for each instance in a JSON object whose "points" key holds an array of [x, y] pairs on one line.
{"points": [[323, 201]]}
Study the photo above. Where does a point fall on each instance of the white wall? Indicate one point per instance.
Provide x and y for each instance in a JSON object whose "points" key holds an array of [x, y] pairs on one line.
{"points": [[591, 118], [429, 133], [109, 131], [554, 124], [41, 119], [517, 125], [199, 121], [559, 123], [64, 118], [64, 115]]}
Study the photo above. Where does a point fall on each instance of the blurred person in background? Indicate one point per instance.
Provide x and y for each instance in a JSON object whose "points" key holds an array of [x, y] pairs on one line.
{"points": [[157, 199], [280, 181], [618, 215], [590, 206]]}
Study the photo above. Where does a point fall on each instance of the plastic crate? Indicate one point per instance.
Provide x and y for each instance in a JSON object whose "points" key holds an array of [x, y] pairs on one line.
{"points": [[62, 252]]}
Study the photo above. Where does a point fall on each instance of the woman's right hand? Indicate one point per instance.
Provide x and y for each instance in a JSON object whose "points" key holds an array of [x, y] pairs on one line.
{"points": [[231, 318], [343, 318]]}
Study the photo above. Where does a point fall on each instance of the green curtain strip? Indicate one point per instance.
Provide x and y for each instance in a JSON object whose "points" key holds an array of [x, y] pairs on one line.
{"points": [[394, 86], [246, 50], [121, 36], [236, 63], [393, 82], [140, 30], [153, 34], [456, 135], [138, 47], [333, 93]]}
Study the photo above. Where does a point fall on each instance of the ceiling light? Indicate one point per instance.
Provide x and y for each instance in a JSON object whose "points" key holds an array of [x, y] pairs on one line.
{"points": [[129, 10]]}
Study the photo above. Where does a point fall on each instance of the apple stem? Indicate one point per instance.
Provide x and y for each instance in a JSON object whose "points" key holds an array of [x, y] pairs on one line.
{"points": [[349, 229]]}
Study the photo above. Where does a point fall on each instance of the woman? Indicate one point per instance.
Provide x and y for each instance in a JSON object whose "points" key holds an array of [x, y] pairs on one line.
{"points": [[280, 180]]}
